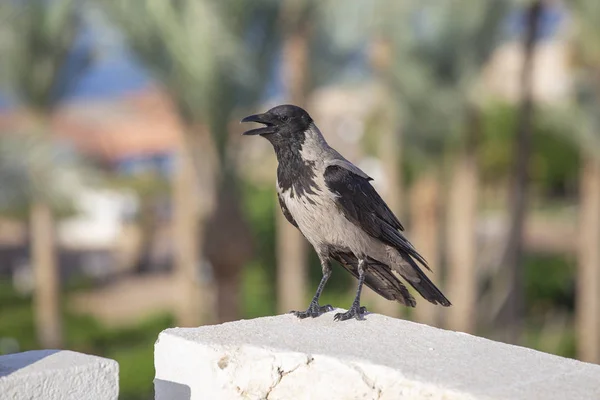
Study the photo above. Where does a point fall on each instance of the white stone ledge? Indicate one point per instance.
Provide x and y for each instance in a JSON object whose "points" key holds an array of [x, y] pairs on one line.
{"points": [[58, 375], [381, 358]]}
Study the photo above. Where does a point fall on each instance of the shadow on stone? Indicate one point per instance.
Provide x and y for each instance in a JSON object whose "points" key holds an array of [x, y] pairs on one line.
{"points": [[167, 390], [13, 362]]}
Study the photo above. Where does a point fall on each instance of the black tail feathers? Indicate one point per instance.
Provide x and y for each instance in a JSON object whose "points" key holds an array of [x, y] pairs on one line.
{"points": [[424, 286]]}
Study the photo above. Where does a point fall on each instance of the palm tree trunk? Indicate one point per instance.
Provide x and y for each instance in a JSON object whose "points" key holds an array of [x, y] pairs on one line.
{"points": [[228, 247], [228, 298], [193, 201], [512, 315], [186, 240], [461, 236], [291, 245], [148, 227], [390, 153], [291, 267], [588, 274], [461, 246], [390, 150], [47, 277], [424, 204]]}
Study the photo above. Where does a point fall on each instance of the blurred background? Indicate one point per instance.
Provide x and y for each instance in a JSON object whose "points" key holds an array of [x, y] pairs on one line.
{"points": [[129, 202]]}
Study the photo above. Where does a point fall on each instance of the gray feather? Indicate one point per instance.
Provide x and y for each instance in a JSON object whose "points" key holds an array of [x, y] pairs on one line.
{"points": [[343, 163]]}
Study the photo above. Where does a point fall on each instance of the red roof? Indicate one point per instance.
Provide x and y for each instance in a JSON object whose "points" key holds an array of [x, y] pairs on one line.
{"points": [[144, 123], [141, 124]]}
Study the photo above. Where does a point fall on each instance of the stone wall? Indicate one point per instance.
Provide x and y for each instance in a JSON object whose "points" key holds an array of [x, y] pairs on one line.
{"points": [[58, 375], [381, 358]]}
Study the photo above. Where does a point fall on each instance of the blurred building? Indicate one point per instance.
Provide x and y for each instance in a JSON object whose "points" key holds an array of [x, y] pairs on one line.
{"points": [[552, 78], [132, 135]]}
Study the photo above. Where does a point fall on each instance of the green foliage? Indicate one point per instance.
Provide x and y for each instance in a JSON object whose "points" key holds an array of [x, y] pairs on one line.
{"points": [[40, 35], [16, 321], [10, 296], [555, 155], [258, 279], [586, 51], [550, 301], [438, 56], [32, 167], [131, 346], [258, 291], [587, 26], [176, 40], [259, 207], [549, 283], [560, 341], [194, 47], [144, 185], [555, 160], [136, 370], [495, 150], [37, 37]]}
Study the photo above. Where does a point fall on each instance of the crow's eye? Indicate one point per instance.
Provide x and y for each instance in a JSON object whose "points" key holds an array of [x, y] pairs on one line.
{"points": [[285, 118]]}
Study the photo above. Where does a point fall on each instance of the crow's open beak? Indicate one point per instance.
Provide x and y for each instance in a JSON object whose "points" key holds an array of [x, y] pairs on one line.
{"points": [[261, 119]]}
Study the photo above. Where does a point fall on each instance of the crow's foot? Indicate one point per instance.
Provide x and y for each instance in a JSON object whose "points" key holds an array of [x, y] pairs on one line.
{"points": [[354, 312], [313, 311]]}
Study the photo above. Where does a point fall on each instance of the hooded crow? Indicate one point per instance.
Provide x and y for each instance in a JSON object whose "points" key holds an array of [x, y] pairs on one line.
{"points": [[331, 201]]}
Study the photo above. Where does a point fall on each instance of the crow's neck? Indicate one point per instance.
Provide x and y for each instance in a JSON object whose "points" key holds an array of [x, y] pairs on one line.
{"points": [[294, 173]]}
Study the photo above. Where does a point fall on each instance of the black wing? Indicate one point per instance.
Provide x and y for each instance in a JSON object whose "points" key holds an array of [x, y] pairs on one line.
{"points": [[286, 212], [378, 277], [361, 204]]}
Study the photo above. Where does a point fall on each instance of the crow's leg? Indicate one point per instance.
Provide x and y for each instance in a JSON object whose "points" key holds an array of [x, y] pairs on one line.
{"points": [[314, 309], [356, 311]]}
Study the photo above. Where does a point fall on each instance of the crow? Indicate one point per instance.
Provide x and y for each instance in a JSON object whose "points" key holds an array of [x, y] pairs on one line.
{"points": [[332, 203]]}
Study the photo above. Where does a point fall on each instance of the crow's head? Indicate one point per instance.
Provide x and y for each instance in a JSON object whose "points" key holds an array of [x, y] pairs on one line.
{"points": [[282, 124]]}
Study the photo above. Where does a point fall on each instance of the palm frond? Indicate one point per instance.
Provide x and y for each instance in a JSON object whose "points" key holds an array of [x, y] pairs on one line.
{"points": [[186, 43], [33, 167], [440, 48], [38, 37], [587, 35]]}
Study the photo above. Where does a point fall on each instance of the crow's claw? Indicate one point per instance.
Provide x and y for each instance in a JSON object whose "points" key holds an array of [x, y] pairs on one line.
{"points": [[353, 312], [313, 311]]}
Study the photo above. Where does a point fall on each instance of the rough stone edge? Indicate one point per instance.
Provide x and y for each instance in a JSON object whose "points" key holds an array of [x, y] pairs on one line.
{"points": [[109, 370], [281, 368]]}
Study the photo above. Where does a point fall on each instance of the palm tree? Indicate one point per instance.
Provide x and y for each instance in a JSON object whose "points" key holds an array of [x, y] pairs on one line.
{"points": [[588, 275], [461, 236], [317, 42], [40, 35], [587, 45], [443, 59], [512, 314], [390, 147], [194, 49], [291, 250], [436, 65]]}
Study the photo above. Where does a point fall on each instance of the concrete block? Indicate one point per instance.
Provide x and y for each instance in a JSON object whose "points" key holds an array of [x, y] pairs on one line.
{"points": [[283, 357], [58, 375]]}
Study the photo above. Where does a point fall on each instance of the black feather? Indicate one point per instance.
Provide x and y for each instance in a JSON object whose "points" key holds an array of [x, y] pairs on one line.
{"points": [[295, 173], [359, 200], [424, 286], [361, 204], [378, 277]]}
